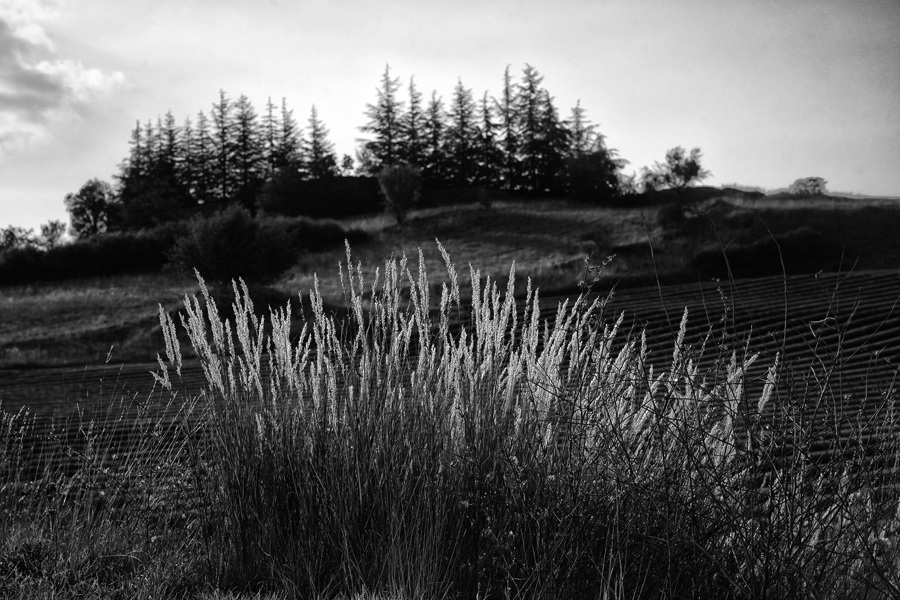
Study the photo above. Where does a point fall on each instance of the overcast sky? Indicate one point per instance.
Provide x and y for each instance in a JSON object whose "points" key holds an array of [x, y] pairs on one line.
{"points": [[769, 90]]}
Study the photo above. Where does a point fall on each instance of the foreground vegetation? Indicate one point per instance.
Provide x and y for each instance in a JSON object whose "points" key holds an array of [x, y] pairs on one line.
{"points": [[394, 455]]}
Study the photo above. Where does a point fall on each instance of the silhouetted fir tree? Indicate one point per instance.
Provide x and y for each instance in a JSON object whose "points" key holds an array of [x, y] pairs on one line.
{"points": [[529, 111], [488, 155], [319, 158], [583, 136], [202, 159], [412, 144], [133, 172], [223, 138], [185, 166], [170, 191], [287, 151], [155, 193], [592, 169], [462, 137], [152, 145], [552, 145], [169, 133], [509, 135], [248, 158], [136, 164], [270, 132], [434, 169], [385, 123]]}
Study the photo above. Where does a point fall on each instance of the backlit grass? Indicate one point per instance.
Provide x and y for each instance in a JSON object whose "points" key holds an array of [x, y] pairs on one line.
{"points": [[396, 456]]}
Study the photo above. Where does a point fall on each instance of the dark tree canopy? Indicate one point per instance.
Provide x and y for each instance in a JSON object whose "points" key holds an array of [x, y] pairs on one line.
{"points": [[90, 208], [678, 172], [230, 153], [808, 186]]}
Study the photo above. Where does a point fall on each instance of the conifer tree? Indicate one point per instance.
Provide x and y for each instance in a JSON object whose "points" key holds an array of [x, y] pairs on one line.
{"points": [[529, 109], [435, 154], [320, 160], [152, 146], [185, 166], [462, 136], [289, 143], [413, 129], [169, 134], [552, 144], [583, 134], [223, 149], [202, 161], [135, 165], [592, 171], [270, 131], [248, 153], [489, 157], [385, 124], [509, 135]]}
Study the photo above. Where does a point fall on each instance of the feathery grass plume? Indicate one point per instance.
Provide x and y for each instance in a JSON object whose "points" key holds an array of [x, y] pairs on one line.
{"points": [[444, 450]]}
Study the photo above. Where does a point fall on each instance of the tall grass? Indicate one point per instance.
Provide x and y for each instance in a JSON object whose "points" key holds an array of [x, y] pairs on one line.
{"points": [[398, 455]]}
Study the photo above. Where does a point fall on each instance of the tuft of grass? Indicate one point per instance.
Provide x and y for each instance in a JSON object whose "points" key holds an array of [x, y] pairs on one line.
{"points": [[395, 455]]}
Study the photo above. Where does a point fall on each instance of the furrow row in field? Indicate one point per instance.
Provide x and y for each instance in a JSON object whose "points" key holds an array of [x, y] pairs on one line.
{"points": [[805, 319]]}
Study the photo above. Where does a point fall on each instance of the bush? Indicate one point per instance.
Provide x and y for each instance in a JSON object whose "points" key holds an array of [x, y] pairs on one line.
{"points": [[289, 194], [803, 250], [593, 177], [231, 245], [808, 186], [401, 185], [103, 254]]}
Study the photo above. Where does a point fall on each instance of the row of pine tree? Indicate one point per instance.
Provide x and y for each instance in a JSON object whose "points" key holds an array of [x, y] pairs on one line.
{"points": [[516, 141]]}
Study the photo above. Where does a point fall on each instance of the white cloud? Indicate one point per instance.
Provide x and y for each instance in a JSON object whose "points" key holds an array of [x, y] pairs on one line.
{"points": [[38, 89]]}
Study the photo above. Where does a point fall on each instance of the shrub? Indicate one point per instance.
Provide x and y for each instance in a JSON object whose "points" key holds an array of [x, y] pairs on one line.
{"points": [[290, 194], [104, 254], [593, 177], [401, 185], [808, 186], [678, 172], [803, 250], [231, 245]]}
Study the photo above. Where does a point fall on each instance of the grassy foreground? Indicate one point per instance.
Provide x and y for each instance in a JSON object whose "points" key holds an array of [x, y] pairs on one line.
{"points": [[393, 456]]}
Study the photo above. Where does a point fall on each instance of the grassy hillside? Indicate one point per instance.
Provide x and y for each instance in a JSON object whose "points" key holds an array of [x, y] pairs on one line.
{"points": [[79, 322]]}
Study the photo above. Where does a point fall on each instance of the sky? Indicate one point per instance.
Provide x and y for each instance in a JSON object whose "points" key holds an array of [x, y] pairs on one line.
{"points": [[770, 90]]}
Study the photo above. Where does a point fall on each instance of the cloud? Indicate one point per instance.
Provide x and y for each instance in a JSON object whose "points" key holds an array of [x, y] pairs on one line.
{"points": [[38, 89]]}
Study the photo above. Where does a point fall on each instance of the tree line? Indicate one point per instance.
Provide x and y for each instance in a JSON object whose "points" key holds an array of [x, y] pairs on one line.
{"points": [[516, 141], [223, 157], [234, 155]]}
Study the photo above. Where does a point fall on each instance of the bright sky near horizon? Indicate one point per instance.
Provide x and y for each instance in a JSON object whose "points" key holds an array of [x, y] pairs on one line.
{"points": [[769, 90]]}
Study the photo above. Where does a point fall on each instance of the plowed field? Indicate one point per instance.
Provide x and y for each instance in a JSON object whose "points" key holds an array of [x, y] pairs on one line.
{"points": [[845, 328]]}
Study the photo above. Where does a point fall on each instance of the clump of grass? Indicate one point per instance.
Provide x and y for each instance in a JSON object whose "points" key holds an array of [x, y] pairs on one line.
{"points": [[394, 455], [95, 505], [516, 458]]}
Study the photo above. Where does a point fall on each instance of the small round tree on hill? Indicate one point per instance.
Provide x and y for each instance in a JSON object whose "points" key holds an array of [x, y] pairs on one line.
{"points": [[679, 171], [90, 208], [401, 185], [808, 186]]}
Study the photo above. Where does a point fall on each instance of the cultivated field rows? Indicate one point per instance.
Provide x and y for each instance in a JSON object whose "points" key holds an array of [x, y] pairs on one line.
{"points": [[844, 327]]}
